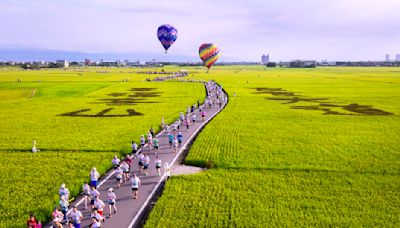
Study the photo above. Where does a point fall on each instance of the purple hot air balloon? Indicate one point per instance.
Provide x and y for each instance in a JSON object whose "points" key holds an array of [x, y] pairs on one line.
{"points": [[167, 35]]}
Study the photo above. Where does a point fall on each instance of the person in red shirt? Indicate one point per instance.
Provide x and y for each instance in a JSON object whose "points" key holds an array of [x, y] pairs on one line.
{"points": [[32, 222]]}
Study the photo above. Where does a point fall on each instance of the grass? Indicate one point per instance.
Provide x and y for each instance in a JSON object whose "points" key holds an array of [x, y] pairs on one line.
{"points": [[71, 145], [277, 165]]}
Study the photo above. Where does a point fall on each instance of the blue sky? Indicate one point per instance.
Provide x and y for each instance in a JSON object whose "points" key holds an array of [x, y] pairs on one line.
{"points": [[243, 29]]}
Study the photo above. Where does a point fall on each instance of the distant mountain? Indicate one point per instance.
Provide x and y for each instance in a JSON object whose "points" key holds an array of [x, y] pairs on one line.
{"points": [[37, 54]]}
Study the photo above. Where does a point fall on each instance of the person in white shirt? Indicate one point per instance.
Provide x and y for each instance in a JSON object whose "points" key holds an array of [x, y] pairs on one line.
{"points": [[115, 161], [111, 198], [118, 175], [86, 193], [125, 168], [76, 217], [63, 192], [100, 205], [64, 206], [135, 181], [93, 195], [96, 218], [146, 163], [134, 147], [158, 165], [94, 177]]}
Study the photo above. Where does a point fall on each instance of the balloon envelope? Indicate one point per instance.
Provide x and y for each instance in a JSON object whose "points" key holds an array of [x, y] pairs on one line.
{"points": [[167, 35], [209, 54]]}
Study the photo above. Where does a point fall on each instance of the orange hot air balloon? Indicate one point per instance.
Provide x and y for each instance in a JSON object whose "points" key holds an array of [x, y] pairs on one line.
{"points": [[209, 54]]}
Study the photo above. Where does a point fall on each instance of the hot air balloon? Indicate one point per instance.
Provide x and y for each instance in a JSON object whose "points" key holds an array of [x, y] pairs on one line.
{"points": [[167, 35], [209, 54]]}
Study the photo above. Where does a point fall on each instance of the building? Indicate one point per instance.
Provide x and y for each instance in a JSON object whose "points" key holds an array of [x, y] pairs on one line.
{"points": [[62, 63], [302, 64], [387, 57], [398, 58], [265, 59]]}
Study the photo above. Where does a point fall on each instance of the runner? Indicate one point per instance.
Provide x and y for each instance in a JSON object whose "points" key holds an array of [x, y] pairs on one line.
{"points": [[95, 223], [150, 140], [170, 139], [93, 195], [118, 175], [181, 117], [158, 165], [63, 192], [125, 169], [115, 162], [64, 206], [140, 159], [175, 144], [129, 160], [152, 132], [167, 169], [178, 123], [142, 141], [96, 218], [135, 186], [94, 177], [99, 204], [134, 147], [86, 193], [32, 222], [180, 138], [146, 162], [156, 143], [57, 216], [111, 201], [187, 123], [203, 115], [194, 117], [76, 217]]}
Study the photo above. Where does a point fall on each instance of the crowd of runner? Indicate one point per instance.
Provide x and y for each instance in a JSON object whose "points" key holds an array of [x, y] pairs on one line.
{"points": [[122, 167]]}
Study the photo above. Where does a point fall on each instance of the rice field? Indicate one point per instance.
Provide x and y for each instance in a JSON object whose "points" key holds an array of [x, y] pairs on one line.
{"points": [[79, 118], [294, 148]]}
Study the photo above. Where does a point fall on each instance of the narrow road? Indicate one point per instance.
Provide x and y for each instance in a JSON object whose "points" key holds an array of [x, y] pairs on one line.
{"points": [[130, 210]]}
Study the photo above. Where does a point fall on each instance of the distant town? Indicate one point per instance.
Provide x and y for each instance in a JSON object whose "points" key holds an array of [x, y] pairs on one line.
{"points": [[265, 60]]}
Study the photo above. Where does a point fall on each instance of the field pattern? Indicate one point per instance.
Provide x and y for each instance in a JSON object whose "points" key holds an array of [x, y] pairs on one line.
{"points": [[47, 107], [277, 165]]}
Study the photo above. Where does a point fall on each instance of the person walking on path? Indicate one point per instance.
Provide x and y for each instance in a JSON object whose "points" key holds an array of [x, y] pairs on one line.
{"points": [[175, 144], [150, 140], [146, 163], [100, 205], [94, 193], [158, 165], [119, 176], [135, 181], [140, 157], [96, 218], [129, 160], [142, 141], [63, 192], [125, 169], [115, 162], [57, 216], [156, 143], [134, 147], [187, 122], [76, 217], [170, 139], [64, 207], [86, 193], [203, 115], [111, 197], [32, 222], [94, 177], [180, 138]]}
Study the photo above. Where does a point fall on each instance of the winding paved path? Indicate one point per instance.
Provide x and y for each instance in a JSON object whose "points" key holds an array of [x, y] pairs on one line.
{"points": [[131, 211]]}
